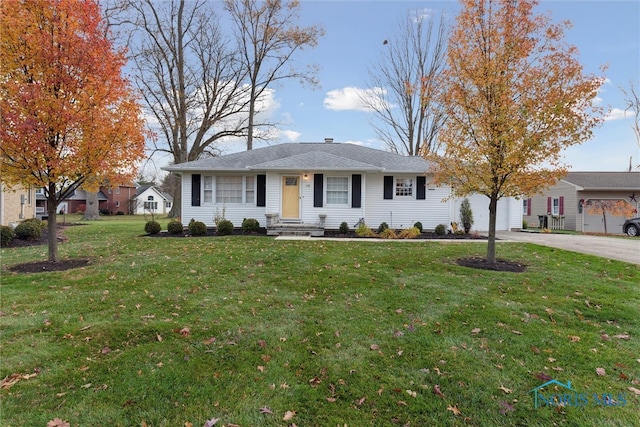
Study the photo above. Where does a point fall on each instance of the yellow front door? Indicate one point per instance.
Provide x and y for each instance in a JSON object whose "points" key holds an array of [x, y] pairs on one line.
{"points": [[290, 197]]}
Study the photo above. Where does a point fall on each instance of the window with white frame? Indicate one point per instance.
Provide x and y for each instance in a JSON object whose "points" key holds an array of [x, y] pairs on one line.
{"points": [[150, 204], [250, 190], [207, 189], [337, 190], [229, 189], [404, 186], [555, 206], [525, 207], [117, 203]]}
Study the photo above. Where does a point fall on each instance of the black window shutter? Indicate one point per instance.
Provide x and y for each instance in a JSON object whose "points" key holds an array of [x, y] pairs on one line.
{"points": [[356, 191], [195, 189], [388, 187], [421, 184], [318, 189], [261, 199]]}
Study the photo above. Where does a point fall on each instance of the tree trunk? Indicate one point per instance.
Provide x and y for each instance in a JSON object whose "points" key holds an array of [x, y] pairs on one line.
{"points": [[491, 244], [52, 228], [176, 205], [91, 212]]}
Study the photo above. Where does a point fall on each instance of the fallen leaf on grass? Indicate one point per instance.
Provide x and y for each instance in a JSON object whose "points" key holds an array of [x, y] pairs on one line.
{"points": [[622, 336], [544, 377], [185, 332], [105, 350], [412, 393], [210, 341], [476, 330], [634, 390], [506, 408], [57, 422], [288, 416], [436, 390], [516, 332], [374, 347], [506, 390], [454, 409], [211, 422], [601, 372], [573, 338], [265, 410]]}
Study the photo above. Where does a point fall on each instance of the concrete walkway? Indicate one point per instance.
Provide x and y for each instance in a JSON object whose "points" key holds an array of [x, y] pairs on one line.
{"points": [[621, 249]]}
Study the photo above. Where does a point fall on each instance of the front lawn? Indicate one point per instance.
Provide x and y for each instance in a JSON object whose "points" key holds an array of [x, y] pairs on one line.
{"points": [[253, 331]]}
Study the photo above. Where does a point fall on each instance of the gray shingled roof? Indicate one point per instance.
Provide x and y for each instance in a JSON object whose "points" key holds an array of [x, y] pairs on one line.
{"points": [[604, 180], [308, 156]]}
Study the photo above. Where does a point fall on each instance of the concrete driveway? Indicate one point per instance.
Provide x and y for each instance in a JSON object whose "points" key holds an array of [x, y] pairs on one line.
{"points": [[621, 249]]}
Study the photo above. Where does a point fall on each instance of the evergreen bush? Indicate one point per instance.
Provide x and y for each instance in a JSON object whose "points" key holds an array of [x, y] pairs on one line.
{"points": [[6, 235], [344, 228], [249, 225], [225, 228], [418, 225], [152, 227], [29, 229], [466, 215], [175, 227], [197, 228], [441, 229]]}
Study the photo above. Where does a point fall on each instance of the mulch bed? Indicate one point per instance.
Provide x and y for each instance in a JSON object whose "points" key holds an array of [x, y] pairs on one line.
{"points": [[42, 266], [499, 265]]}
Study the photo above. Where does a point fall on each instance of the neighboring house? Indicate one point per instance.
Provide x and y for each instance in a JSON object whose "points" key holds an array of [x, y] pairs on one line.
{"points": [[149, 199], [325, 184], [119, 199], [566, 204], [16, 204], [77, 202]]}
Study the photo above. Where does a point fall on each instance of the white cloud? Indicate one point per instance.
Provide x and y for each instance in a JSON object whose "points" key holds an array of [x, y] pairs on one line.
{"points": [[290, 135], [354, 98], [617, 114]]}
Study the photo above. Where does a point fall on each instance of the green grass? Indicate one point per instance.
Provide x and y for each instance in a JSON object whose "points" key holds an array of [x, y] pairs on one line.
{"points": [[161, 332]]}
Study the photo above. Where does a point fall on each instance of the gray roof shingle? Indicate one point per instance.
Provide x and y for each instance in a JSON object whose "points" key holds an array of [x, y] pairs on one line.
{"points": [[604, 180], [308, 156]]}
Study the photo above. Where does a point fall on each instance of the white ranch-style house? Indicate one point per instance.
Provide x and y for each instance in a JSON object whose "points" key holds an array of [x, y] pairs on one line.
{"points": [[323, 185]]}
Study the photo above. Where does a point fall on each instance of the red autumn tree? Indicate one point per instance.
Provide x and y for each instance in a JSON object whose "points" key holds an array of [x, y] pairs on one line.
{"points": [[68, 117], [515, 96]]}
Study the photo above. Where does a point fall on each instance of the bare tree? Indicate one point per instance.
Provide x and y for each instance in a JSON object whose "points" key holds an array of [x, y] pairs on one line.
{"points": [[267, 39], [407, 113], [189, 77], [632, 101]]}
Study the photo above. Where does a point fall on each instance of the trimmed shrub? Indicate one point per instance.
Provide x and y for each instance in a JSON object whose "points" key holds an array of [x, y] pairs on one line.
{"points": [[152, 227], [364, 231], [344, 228], [175, 227], [6, 235], [225, 228], [383, 226], [418, 225], [525, 224], [388, 233], [29, 229], [441, 229], [410, 233], [466, 215], [249, 225], [197, 228]]}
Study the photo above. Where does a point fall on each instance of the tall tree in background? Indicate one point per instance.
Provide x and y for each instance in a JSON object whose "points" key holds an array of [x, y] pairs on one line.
{"points": [[632, 100], [189, 77], [268, 37], [68, 118], [515, 97], [406, 78]]}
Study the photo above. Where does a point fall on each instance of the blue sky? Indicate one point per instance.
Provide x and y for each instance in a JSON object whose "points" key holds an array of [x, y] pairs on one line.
{"points": [[605, 32]]}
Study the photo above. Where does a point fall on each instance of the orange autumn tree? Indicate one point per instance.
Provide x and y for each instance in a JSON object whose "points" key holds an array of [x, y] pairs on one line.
{"points": [[68, 117], [515, 96], [611, 207]]}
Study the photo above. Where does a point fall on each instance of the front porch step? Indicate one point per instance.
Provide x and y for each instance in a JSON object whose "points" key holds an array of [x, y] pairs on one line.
{"points": [[297, 229]]}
